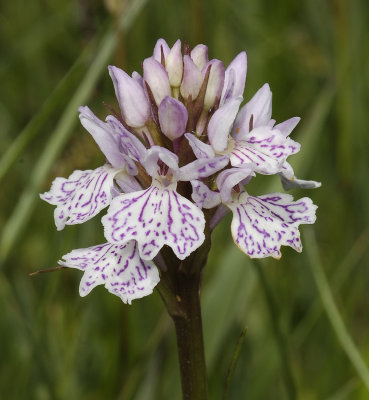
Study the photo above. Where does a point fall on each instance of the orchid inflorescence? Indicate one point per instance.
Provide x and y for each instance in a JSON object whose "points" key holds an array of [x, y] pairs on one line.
{"points": [[178, 157]]}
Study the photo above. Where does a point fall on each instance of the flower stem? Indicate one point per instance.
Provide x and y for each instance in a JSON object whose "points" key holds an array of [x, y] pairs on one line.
{"points": [[190, 339]]}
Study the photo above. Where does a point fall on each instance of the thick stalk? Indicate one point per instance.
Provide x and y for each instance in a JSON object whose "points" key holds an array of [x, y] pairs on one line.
{"points": [[190, 339]]}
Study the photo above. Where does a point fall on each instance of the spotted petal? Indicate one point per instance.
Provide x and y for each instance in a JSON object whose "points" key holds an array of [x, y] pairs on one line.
{"points": [[155, 217], [81, 196], [203, 196], [264, 148], [118, 267], [261, 225]]}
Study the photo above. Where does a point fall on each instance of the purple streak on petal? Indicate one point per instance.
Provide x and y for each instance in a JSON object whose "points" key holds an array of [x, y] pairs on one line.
{"points": [[230, 178], [199, 55], [156, 153], [200, 149], [203, 196], [160, 44], [260, 107], [132, 99], [103, 136], [156, 77], [221, 124], [128, 142], [235, 78], [172, 117], [80, 197], [202, 168], [261, 225], [174, 65], [118, 267], [155, 217], [192, 79]]}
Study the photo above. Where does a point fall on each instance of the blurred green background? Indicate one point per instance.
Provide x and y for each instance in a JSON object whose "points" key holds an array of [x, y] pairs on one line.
{"points": [[56, 345]]}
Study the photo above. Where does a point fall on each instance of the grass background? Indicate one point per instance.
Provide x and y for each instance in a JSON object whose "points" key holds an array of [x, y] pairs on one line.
{"points": [[56, 345]]}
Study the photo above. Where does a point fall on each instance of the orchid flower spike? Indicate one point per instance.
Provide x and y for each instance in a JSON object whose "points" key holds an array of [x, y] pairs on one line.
{"points": [[178, 154]]}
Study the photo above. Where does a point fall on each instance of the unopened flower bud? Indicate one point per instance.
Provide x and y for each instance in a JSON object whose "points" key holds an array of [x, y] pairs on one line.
{"points": [[156, 77], [192, 78], [132, 99], [174, 65], [172, 117]]}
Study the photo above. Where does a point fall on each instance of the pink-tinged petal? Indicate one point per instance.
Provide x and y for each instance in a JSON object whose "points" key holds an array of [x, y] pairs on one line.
{"points": [[221, 124], [192, 79], [235, 78], [203, 196], [80, 197], [261, 225], [161, 45], [129, 144], [131, 97], [118, 267], [103, 135], [266, 149], [200, 149], [156, 77], [174, 65], [290, 181], [155, 217], [199, 55], [202, 168], [127, 182], [230, 178], [156, 153], [288, 126], [172, 117], [260, 107], [138, 78], [215, 82]]}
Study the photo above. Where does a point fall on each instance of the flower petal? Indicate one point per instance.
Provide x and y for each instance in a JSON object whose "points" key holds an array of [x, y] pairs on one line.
{"points": [[199, 55], [128, 143], [156, 153], [174, 65], [203, 196], [230, 178], [260, 107], [290, 181], [221, 124], [202, 168], [264, 148], [156, 77], [235, 78], [261, 225], [134, 105], [119, 267], [215, 82], [155, 217], [288, 126], [192, 79], [103, 136], [199, 148], [161, 45], [172, 117], [80, 197]]}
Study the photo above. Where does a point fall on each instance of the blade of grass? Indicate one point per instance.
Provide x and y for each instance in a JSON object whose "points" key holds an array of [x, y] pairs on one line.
{"points": [[47, 111], [342, 272], [25, 205], [281, 343], [233, 363], [331, 309]]}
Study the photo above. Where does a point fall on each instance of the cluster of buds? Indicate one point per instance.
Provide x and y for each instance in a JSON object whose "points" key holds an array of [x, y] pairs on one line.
{"points": [[178, 157]]}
